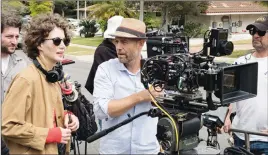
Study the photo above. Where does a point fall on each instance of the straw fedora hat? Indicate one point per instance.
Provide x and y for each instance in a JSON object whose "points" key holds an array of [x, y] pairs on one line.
{"points": [[131, 28]]}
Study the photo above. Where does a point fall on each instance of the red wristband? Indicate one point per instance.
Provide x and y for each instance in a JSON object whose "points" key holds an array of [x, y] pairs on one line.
{"points": [[67, 112], [54, 135]]}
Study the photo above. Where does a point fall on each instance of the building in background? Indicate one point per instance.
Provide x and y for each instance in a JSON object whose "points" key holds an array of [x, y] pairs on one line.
{"points": [[232, 15]]}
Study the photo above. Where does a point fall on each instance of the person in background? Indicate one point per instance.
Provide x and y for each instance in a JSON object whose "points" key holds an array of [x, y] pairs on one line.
{"points": [[33, 117], [104, 52], [252, 114], [12, 61]]}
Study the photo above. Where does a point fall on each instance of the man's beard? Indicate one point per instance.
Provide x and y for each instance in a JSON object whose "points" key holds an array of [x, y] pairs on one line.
{"points": [[259, 47], [5, 50], [123, 60]]}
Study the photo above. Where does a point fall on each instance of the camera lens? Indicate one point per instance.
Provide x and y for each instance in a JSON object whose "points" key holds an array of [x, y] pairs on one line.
{"points": [[226, 48], [229, 47]]}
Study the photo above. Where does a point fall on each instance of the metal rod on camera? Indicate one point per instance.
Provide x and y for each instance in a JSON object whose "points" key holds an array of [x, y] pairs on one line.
{"points": [[106, 131], [247, 133], [154, 112], [247, 143]]}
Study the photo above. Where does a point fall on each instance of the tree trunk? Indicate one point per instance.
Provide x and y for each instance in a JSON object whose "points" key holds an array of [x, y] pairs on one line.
{"points": [[141, 9], [164, 16], [77, 12], [165, 19], [53, 6], [62, 13]]}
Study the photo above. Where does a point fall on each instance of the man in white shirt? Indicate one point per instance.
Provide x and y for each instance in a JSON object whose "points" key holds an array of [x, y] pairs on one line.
{"points": [[252, 114], [119, 94], [12, 63]]}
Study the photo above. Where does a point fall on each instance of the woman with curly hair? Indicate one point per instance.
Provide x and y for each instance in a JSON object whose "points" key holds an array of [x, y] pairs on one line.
{"points": [[33, 118]]}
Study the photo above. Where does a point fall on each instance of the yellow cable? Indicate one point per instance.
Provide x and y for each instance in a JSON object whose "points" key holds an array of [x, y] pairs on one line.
{"points": [[173, 122]]}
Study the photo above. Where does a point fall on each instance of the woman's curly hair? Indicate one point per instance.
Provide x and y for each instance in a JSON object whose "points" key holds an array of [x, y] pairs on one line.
{"points": [[39, 28]]}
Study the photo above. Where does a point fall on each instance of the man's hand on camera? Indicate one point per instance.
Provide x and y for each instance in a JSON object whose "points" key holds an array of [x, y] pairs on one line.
{"points": [[156, 92], [73, 123], [65, 135], [220, 130], [146, 96]]}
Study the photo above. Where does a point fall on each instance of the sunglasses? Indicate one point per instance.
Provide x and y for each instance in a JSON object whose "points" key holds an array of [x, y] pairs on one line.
{"points": [[254, 31], [57, 41]]}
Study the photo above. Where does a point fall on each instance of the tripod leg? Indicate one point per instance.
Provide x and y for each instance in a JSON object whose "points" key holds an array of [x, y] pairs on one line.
{"points": [[73, 141], [78, 147], [85, 148]]}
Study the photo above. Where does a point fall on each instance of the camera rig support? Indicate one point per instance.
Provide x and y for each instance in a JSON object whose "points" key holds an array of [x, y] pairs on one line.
{"points": [[182, 75], [156, 112]]}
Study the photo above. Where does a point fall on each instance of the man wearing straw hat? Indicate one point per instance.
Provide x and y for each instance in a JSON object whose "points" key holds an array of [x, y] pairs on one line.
{"points": [[119, 94]]}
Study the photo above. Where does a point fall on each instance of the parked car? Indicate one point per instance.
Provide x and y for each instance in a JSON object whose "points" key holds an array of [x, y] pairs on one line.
{"points": [[73, 22], [66, 61]]}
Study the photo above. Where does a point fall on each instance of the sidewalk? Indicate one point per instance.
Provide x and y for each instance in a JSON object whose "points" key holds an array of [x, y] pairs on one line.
{"points": [[83, 46]]}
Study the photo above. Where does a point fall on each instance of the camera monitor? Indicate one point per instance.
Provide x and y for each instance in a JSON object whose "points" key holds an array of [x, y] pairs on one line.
{"points": [[219, 44]]}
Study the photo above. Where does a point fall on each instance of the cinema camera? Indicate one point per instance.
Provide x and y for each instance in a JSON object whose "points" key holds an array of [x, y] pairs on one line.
{"points": [[182, 75]]}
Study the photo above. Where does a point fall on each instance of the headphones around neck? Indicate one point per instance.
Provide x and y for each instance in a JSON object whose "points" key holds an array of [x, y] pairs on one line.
{"points": [[53, 75]]}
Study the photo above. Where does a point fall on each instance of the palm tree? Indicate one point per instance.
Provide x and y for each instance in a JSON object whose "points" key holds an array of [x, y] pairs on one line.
{"points": [[105, 10], [264, 3]]}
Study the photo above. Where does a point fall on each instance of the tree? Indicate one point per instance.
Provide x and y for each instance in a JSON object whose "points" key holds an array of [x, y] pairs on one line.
{"points": [[89, 28], [103, 24], [177, 9], [102, 11], [15, 7], [151, 20], [194, 29], [38, 7], [263, 3], [105, 10], [62, 7]]}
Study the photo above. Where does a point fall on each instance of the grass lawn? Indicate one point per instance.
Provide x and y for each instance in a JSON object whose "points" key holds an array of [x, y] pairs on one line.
{"points": [[78, 51], [238, 53], [95, 41], [72, 50], [241, 42]]}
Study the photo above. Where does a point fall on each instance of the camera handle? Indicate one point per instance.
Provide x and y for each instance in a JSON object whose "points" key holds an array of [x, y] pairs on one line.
{"points": [[212, 139], [151, 113]]}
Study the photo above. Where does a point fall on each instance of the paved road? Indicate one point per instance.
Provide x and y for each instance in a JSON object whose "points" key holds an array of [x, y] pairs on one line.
{"points": [[79, 71]]}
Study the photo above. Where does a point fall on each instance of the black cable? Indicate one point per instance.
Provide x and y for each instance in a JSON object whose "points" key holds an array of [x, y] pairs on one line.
{"points": [[108, 130]]}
